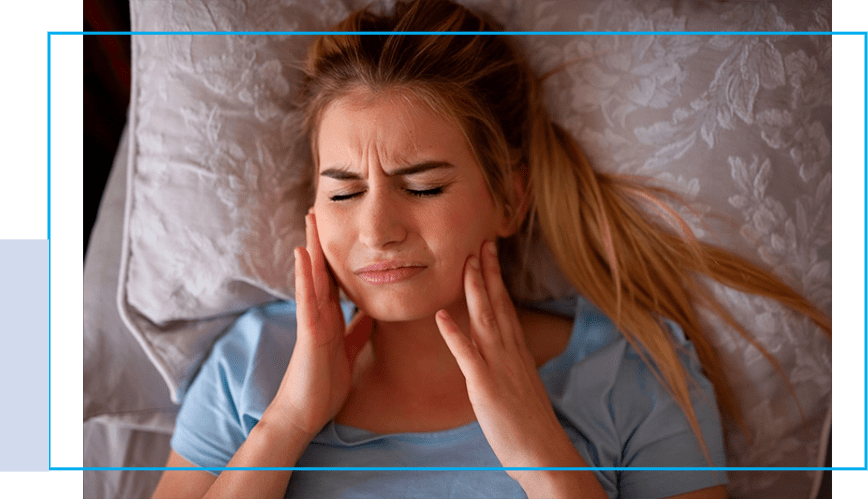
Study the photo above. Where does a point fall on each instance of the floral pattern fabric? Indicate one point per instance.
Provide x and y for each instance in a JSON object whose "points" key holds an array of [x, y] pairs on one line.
{"points": [[739, 125]]}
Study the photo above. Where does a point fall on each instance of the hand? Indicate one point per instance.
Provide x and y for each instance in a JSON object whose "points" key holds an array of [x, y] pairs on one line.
{"points": [[317, 381], [505, 390]]}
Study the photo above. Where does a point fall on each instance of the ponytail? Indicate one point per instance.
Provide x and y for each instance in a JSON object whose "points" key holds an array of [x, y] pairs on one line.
{"points": [[636, 269]]}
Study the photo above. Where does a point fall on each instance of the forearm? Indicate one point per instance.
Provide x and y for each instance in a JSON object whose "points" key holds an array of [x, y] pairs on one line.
{"points": [[578, 484], [268, 445], [561, 484]]}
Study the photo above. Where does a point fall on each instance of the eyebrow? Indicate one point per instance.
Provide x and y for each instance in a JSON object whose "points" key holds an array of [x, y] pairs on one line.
{"points": [[343, 174]]}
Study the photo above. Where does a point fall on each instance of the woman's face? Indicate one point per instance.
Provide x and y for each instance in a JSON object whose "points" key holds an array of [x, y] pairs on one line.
{"points": [[400, 205]]}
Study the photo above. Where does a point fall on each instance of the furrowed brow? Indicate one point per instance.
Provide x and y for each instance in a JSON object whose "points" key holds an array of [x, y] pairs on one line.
{"points": [[420, 168], [343, 174], [340, 174]]}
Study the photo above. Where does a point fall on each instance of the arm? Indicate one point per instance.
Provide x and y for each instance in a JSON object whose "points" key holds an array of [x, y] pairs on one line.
{"points": [[262, 448], [313, 388], [507, 394], [270, 444], [511, 403], [182, 484], [316, 384]]}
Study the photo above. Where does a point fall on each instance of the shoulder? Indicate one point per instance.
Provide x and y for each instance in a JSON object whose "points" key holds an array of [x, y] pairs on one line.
{"points": [[236, 383], [599, 360], [258, 342], [267, 329], [249, 359], [231, 389], [618, 413], [595, 342]]}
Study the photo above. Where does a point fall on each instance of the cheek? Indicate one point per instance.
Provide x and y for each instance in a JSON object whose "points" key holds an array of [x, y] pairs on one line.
{"points": [[473, 220], [459, 233], [336, 248], [329, 236]]}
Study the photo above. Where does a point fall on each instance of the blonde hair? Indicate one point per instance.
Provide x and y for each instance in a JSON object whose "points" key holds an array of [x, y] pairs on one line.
{"points": [[617, 254]]}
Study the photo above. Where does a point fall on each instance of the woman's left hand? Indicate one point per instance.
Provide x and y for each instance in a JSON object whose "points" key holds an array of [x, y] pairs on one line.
{"points": [[505, 390]]}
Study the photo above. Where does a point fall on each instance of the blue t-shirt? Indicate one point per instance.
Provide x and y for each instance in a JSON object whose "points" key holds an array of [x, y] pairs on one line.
{"points": [[607, 399]]}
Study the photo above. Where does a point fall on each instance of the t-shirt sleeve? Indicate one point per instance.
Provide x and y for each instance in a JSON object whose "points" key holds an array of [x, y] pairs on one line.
{"points": [[234, 385], [209, 430], [656, 433], [619, 415]]}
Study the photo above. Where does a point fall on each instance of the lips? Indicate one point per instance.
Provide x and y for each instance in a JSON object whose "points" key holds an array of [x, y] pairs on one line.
{"points": [[390, 265], [389, 272]]}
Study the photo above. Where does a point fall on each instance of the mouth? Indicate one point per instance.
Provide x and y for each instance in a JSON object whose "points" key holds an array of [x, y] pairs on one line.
{"points": [[389, 272]]}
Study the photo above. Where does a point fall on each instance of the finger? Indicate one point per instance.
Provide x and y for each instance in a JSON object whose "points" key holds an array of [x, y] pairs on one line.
{"points": [[465, 352], [309, 240], [484, 327], [314, 253], [328, 279], [305, 297], [498, 296], [317, 259]]}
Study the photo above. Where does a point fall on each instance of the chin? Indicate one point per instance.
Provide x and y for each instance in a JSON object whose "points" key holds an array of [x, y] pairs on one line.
{"points": [[397, 310], [399, 307]]}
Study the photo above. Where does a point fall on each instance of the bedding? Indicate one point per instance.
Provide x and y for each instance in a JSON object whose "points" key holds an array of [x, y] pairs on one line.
{"points": [[215, 186]]}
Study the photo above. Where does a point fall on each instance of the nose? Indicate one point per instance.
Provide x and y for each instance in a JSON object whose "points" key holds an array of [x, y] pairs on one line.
{"points": [[382, 221]]}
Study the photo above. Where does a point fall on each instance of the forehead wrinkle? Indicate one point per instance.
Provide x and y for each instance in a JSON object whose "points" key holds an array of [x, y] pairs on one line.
{"points": [[392, 142], [390, 138]]}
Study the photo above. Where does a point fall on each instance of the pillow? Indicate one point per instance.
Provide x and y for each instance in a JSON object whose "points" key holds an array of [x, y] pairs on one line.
{"points": [[120, 385], [740, 125]]}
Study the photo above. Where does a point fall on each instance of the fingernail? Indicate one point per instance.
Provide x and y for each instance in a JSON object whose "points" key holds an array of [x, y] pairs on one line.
{"points": [[474, 262], [442, 314], [492, 247]]}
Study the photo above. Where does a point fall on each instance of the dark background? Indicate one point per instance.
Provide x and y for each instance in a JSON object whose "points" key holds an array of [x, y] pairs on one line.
{"points": [[106, 97]]}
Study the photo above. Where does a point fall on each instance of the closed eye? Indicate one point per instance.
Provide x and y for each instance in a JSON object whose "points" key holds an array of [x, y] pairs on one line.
{"points": [[425, 193], [344, 197], [436, 191]]}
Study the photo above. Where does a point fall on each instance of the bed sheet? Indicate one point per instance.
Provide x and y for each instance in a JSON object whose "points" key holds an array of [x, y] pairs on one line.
{"points": [[125, 402]]}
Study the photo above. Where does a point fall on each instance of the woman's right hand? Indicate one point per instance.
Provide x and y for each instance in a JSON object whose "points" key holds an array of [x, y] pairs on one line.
{"points": [[317, 381]]}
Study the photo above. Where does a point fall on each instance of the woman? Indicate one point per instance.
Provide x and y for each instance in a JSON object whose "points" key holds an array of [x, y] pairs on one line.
{"points": [[432, 155]]}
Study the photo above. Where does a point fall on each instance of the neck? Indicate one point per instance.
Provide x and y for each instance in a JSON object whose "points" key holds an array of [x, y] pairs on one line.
{"points": [[414, 354]]}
